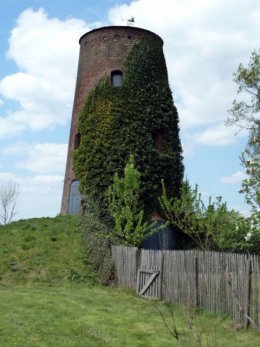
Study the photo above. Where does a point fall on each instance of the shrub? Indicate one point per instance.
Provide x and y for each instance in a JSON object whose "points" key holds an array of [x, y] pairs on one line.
{"points": [[210, 225], [124, 206], [98, 248]]}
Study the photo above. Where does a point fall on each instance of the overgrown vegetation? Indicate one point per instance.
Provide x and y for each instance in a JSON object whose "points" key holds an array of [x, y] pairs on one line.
{"points": [[130, 229], [98, 247], [211, 226], [245, 115], [118, 121]]}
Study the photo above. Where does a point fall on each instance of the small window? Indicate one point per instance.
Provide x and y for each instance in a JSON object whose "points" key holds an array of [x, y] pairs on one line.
{"points": [[117, 78], [158, 140], [77, 141]]}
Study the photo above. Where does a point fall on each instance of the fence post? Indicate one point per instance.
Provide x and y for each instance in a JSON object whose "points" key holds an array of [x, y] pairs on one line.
{"points": [[137, 265], [161, 274], [248, 293], [196, 282]]}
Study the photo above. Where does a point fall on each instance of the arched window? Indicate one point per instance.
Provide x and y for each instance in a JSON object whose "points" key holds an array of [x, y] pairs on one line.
{"points": [[74, 198], [77, 141], [117, 78]]}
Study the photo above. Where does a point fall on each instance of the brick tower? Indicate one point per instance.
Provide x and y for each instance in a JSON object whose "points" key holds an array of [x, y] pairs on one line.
{"points": [[102, 52]]}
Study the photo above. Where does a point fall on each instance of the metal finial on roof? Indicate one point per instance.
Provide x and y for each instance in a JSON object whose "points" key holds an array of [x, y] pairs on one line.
{"points": [[130, 21]]}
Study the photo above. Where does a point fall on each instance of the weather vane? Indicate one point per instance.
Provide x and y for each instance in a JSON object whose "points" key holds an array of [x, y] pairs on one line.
{"points": [[130, 21]]}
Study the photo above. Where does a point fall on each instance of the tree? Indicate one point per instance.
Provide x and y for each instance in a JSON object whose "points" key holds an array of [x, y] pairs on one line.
{"points": [[245, 115], [8, 198], [124, 207], [251, 161], [210, 225]]}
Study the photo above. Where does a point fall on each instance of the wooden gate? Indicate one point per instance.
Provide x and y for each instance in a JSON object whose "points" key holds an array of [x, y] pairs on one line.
{"points": [[149, 283], [149, 275]]}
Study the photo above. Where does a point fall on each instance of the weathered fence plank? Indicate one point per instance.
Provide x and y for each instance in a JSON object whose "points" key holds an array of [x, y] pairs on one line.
{"points": [[219, 282], [125, 261]]}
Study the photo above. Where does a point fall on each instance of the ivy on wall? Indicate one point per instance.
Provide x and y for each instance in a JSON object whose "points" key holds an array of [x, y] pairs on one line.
{"points": [[118, 121]]}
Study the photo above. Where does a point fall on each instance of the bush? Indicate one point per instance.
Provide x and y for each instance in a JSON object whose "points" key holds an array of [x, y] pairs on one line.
{"points": [[211, 226], [98, 248], [125, 208]]}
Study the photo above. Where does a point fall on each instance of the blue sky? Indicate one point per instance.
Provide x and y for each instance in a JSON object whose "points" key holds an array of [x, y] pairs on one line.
{"points": [[204, 41]]}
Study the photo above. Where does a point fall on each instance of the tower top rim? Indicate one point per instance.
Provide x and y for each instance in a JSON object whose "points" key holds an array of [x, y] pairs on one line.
{"points": [[120, 27]]}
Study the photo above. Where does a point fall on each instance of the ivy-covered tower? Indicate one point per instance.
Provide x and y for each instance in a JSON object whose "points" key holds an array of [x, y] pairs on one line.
{"points": [[122, 106]]}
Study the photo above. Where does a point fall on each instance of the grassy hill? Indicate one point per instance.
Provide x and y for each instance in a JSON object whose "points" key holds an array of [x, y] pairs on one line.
{"points": [[44, 250], [44, 299]]}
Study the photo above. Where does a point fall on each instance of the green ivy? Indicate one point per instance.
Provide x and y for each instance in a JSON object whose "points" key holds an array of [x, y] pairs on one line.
{"points": [[118, 121]]}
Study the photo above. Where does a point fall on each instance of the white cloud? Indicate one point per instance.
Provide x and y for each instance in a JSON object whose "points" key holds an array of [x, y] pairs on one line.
{"points": [[6, 177], [42, 158], [46, 50], [188, 143], [15, 148], [47, 158], [12, 124], [203, 48], [218, 135], [235, 178], [204, 41], [40, 195]]}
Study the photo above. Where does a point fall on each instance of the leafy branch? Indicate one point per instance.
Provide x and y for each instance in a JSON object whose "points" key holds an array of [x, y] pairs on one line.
{"points": [[125, 210]]}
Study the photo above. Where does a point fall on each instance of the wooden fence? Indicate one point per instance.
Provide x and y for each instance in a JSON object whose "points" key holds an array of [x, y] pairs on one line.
{"points": [[219, 282]]}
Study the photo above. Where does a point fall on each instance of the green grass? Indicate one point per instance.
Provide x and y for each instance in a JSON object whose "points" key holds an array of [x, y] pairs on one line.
{"points": [[48, 298], [43, 250], [76, 315]]}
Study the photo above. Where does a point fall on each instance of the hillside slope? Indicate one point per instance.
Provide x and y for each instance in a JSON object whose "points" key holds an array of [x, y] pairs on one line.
{"points": [[44, 250]]}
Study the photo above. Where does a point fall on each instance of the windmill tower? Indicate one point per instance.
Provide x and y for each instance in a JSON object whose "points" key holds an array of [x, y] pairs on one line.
{"points": [[102, 53]]}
